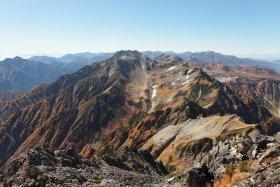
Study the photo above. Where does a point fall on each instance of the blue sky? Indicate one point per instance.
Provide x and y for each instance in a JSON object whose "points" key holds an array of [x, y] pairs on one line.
{"points": [[55, 27]]}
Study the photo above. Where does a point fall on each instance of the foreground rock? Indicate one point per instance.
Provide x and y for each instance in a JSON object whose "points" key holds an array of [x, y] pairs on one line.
{"points": [[41, 167], [252, 159]]}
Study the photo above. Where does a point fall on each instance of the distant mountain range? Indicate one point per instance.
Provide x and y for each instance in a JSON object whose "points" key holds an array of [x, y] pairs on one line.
{"points": [[18, 74], [92, 57], [276, 61], [210, 56], [206, 56], [23, 75]]}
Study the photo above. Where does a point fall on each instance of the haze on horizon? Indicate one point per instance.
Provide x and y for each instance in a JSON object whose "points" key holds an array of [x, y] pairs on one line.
{"points": [[242, 28]]}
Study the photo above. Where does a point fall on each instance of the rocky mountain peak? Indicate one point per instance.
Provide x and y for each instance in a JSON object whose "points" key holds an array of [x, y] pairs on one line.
{"points": [[128, 54], [168, 60]]}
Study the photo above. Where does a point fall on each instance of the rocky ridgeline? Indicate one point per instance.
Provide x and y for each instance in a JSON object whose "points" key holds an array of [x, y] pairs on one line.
{"points": [[41, 167]]}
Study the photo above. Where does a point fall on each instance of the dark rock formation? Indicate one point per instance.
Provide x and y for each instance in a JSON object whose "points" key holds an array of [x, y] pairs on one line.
{"points": [[200, 177]]}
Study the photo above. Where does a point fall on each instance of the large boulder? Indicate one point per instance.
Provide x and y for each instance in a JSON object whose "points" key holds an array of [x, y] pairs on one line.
{"points": [[200, 177]]}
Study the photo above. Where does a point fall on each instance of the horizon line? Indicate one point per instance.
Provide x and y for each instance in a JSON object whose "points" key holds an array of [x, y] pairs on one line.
{"points": [[264, 56]]}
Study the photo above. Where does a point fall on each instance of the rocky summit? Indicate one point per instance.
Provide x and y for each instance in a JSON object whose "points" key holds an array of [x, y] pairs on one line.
{"points": [[135, 121]]}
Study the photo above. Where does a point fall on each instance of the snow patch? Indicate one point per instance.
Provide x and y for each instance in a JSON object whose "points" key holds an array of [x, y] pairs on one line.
{"points": [[154, 93], [90, 88], [75, 89], [199, 94], [186, 79], [170, 99], [171, 68], [124, 57], [171, 179], [224, 79], [190, 71]]}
